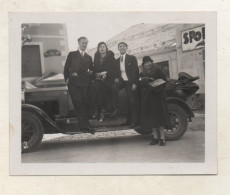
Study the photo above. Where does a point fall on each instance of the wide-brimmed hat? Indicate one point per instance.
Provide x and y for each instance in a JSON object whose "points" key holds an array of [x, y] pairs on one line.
{"points": [[146, 59]]}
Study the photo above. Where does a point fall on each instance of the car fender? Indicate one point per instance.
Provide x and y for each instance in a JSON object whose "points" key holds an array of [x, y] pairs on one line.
{"points": [[182, 104], [48, 123]]}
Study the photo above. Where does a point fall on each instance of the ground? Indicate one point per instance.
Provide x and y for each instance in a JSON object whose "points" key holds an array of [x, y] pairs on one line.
{"points": [[121, 147]]}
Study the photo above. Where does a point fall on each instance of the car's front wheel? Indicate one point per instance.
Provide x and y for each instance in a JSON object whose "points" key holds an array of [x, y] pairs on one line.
{"points": [[31, 132]]}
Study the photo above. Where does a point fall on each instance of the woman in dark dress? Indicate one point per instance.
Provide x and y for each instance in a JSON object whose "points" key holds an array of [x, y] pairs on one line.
{"points": [[103, 71], [154, 111]]}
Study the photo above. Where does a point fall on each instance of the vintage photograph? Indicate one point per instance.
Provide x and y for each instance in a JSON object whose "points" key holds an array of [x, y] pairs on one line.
{"points": [[123, 90]]}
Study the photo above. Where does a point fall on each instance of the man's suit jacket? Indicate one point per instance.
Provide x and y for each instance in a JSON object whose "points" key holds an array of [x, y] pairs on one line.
{"points": [[131, 69], [76, 63]]}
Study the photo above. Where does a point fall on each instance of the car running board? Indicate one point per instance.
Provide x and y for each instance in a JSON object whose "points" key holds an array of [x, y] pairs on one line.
{"points": [[101, 129]]}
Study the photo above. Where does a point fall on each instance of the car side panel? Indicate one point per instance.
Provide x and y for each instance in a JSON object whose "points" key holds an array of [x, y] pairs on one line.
{"points": [[53, 102]]}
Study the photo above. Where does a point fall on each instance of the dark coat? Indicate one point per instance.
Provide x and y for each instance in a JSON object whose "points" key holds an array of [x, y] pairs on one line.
{"points": [[154, 110], [131, 69], [108, 64], [80, 65]]}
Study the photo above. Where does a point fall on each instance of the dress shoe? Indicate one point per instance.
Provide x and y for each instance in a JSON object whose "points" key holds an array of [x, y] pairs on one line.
{"points": [[102, 115], [126, 123], [133, 126], [89, 130], [138, 128], [162, 142], [154, 142], [95, 115], [114, 113]]}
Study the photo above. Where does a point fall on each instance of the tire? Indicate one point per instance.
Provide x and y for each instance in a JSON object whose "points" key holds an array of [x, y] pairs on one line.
{"points": [[31, 132], [179, 122]]}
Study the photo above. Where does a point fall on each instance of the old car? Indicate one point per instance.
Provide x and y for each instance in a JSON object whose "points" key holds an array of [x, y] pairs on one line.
{"points": [[47, 109], [52, 52]]}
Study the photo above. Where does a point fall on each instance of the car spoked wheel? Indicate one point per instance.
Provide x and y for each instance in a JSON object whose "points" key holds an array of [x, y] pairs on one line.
{"points": [[175, 122], [178, 121], [31, 132], [27, 131]]}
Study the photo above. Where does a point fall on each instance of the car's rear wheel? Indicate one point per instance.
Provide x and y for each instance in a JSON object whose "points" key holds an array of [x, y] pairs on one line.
{"points": [[179, 122], [31, 132]]}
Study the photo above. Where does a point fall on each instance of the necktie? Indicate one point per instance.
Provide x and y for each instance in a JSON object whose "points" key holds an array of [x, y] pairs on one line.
{"points": [[82, 54], [121, 58]]}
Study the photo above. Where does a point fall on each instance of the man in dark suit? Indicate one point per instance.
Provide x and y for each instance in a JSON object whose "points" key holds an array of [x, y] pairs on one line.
{"points": [[77, 72], [127, 76]]}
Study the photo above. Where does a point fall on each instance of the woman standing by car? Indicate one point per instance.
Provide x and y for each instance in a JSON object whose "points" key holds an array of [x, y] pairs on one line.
{"points": [[104, 63], [154, 111]]}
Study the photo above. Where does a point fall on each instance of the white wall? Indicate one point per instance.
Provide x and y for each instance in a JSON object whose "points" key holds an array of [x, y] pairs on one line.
{"points": [[190, 61]]}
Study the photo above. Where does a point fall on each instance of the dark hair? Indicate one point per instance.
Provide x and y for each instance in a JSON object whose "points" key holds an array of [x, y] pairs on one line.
{"points": [[102, 43], [123, 43], [80, 38]]}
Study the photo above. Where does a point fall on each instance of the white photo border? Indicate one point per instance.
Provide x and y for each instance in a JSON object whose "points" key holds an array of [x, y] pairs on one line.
{"points": [[210, 164]]}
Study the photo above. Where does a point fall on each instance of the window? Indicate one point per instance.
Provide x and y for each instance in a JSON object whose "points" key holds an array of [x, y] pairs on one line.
{"points": [[31, 61], [164, 67]]}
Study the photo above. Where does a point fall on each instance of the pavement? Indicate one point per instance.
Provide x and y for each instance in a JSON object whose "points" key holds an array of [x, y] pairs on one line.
{"points": [[124, 146]]}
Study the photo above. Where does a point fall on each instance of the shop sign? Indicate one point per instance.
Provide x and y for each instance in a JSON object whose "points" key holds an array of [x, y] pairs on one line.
{"points": [[193, 38]]}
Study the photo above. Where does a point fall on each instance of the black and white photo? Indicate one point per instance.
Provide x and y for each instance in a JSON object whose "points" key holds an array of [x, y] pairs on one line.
{"points": [[113, 93]]}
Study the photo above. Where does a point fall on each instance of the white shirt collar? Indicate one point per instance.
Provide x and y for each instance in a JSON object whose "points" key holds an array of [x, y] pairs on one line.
{"points": [[82, 51], [124, 55]]}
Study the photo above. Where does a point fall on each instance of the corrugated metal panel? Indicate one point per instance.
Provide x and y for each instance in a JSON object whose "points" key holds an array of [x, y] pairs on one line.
{"points": [[142, 38]]}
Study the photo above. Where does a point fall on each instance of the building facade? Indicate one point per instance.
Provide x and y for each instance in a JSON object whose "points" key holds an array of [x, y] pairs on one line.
{"points": [[190, 40], [44, 49], [164, 43]]}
